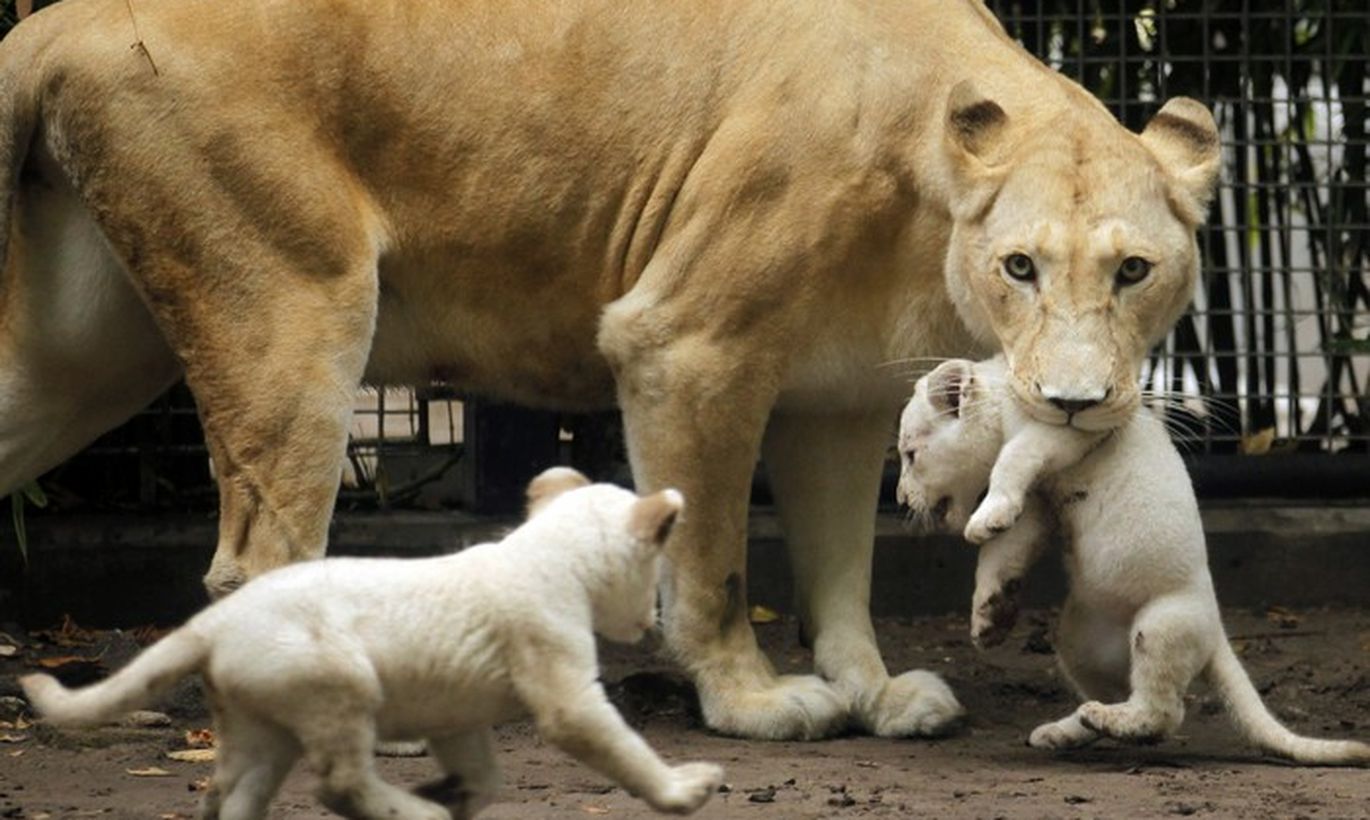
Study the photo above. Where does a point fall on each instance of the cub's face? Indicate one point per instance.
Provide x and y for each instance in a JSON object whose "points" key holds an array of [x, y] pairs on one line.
{"points": [[626, 604], [949, 437], [1073, 247], [619, 537]]}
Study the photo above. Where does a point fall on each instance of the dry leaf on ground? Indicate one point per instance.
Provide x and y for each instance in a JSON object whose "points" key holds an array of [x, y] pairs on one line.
{"points": [[759, 614], [150, 771], [200, 738], [192, 755], [1283, 618]]}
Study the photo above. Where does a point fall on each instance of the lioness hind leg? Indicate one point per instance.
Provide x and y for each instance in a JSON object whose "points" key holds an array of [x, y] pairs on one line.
{"points": [[825, 473], [274, 338], [79, 352]]}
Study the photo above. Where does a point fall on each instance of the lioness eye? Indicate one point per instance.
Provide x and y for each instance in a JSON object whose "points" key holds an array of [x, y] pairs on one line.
{"points": [[1133, 270], [1019, 266], [909, 454]]}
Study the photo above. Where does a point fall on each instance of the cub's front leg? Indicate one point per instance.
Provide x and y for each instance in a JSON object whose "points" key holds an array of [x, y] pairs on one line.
{"points": [[1004, 560], [568, 704], [1035, 451]]}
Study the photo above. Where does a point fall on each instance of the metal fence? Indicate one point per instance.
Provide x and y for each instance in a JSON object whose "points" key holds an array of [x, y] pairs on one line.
{"points": [[1274, 357]]}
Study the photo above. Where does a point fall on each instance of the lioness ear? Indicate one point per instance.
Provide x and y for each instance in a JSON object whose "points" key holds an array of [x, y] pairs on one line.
{"points": [[1184, 137], [651, 518], [949, 386], [551, 483], [975, 137]]}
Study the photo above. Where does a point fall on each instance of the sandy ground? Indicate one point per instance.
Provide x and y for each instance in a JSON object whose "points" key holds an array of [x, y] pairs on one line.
{"points": [[1312, 666]]}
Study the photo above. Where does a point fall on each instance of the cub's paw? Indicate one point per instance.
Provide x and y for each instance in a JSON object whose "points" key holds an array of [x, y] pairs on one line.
{"points": [[1127, 722], [787, 707], [993, 614], [914, 704], [1067, 733], [995, 514], [690, 786]]}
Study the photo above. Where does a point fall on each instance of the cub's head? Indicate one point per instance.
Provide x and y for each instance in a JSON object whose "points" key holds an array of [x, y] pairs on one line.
{"points": [[1073, 242], [614, 540], [949, 437]]}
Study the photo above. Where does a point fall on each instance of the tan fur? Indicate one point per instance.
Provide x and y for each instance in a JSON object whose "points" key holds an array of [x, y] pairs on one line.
{"points": [[729, 217]]}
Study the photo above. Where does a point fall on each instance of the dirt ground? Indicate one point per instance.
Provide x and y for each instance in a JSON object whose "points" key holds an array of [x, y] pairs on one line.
{"points": [[1313, 668]]}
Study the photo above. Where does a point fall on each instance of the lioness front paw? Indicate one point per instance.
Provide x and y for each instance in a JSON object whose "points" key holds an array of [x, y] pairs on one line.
{"points": [[691, 785], [914, 704], [995, 514], [787, 707]]}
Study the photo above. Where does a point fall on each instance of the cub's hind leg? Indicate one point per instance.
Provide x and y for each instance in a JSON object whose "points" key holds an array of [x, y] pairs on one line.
{"points": [[1092, 653], [472, 773], [1171, 641], [340, 748], [253, 759]]}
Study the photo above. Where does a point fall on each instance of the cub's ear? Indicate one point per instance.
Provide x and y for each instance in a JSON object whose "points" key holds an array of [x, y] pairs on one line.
{"points": [[949, 386], [1184, 137], [652, 517], [551, 483]]}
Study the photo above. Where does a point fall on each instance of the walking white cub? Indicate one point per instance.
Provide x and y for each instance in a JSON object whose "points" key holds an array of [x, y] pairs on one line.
{"points": [[1141, 620], [324, 658]]}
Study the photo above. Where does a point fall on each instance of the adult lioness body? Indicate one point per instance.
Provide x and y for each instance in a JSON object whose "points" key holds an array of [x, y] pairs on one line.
{"points": [[724, 215]]}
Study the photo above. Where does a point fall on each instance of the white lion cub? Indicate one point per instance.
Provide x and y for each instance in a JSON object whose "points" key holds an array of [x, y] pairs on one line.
{"points": [[322, 659], [1141, 621]]}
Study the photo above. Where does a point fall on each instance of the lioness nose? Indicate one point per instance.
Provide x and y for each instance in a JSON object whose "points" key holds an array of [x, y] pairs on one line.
{"points": [[1073, 406]]}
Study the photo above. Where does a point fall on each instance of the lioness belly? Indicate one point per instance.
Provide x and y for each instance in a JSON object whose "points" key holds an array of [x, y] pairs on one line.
{"points": [[533, 343]]}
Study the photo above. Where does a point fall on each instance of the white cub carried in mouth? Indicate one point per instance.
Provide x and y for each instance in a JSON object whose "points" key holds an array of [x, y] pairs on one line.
{"points": [[1141, 621], [322, 659]]}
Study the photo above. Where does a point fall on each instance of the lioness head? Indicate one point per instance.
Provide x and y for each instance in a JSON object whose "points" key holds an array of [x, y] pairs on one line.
{"points": [[1073, 243]]}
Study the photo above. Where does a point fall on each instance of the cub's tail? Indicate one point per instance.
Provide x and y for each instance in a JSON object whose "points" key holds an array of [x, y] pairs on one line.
{"points": [[1226, 675], [148, 677]]}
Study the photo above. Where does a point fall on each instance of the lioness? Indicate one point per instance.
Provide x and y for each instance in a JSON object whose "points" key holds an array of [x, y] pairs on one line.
{"points": [[1141, 621], [726, 216], [320, 659]]}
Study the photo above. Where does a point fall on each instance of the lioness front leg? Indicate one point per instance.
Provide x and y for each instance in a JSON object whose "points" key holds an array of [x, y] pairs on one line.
{"points": [[694, 411], [825, 473], [1034, 452]]}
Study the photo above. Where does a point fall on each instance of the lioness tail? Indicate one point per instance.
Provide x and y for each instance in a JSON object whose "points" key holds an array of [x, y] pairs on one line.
{"points": [[19, 114], [1229, 679], [145, 679]]}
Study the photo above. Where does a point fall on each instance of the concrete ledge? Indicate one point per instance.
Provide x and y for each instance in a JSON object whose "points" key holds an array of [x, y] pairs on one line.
{"points": [[115, 570]]}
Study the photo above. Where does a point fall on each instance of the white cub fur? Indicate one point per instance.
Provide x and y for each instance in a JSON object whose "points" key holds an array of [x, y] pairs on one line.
{"points": [[1142, 620], [324, 658]]}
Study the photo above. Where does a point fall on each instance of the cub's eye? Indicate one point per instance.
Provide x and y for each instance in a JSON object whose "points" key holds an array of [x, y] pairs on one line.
{"points": [[1133, 270], [909, 454], [1019, 266]]}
